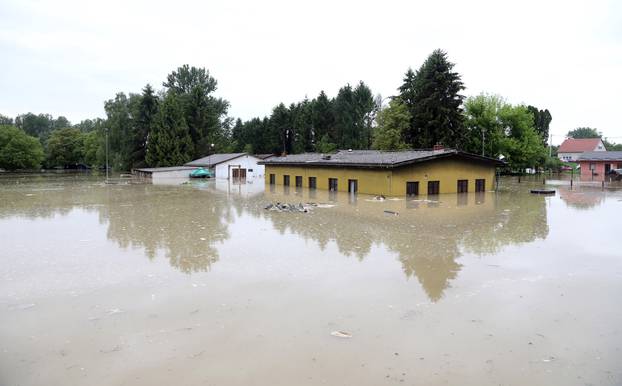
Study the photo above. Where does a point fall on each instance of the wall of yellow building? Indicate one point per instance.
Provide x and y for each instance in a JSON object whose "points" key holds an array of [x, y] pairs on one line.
{"points": [[390, 182], [447, 172]]}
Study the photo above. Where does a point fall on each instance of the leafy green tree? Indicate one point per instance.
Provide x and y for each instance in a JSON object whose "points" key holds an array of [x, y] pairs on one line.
{"points": [[324, 145], [584, 132], [506, 129], [19, 150], [611, 146], [4, 120], [170, 143], [203, 113], [60, 123], [483, 126], [65, 147], [434, 101], [35, 125], [120, 128], [92, 148], [393, 123]]}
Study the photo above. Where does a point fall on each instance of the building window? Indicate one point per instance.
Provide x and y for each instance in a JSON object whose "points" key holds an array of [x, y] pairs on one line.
{"points": [[463, 186], [286, 180], [312, 183], [592, 166], [480, 185], [250, 170], [272, 179], [434, 187], [332, 184], [299, 181], [412, 188]]}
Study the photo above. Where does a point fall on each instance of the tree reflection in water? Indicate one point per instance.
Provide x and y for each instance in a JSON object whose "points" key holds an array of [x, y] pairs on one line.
{"points": [[188, 222]]}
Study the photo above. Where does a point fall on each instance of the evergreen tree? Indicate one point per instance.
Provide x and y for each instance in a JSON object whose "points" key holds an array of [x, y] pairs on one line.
{"points": [[407, 95], [364, 109], [170, 143], [280, 134], [344, 109], [436, 112], [542, 120], [145, 118], [322, 118]]}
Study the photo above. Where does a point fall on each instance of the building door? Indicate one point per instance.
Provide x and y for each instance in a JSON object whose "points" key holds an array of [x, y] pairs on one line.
{"points": [[607, 169], [434, 187], [412, 188], [286, 180], [299, 181], [332, 184], [272, 179], [353, 186], [480, 185], [312, 183], [463, 186]]}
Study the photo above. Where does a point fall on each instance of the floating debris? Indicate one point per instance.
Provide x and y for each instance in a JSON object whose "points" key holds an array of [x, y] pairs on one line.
{"points": [[341, 334], [294, 208], [392, 213]]}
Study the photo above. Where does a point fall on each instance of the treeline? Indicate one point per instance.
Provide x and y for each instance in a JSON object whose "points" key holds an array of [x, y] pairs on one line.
{"points": [[184, 120]]}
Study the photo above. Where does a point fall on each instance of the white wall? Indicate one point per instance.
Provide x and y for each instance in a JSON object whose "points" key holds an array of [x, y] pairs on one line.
{"points": [[564, 156], [247, 162]]}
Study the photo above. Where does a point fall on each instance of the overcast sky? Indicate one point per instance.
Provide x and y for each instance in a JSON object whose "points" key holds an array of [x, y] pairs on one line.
{"points": [[67, 57]]}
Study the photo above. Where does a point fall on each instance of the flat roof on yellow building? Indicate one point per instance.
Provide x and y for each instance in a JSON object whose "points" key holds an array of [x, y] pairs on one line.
{"points": [[374, 158]]}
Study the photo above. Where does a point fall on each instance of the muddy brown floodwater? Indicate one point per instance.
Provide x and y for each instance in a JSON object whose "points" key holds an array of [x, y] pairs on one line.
{"points": [[198, 284]]}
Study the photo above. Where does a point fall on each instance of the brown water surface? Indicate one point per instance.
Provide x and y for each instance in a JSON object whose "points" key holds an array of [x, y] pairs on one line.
{"points": [[198, 284]]}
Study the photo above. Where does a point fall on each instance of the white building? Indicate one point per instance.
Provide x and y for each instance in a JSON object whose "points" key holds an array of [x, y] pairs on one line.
{"points": [[231, 165], [571, 149]]}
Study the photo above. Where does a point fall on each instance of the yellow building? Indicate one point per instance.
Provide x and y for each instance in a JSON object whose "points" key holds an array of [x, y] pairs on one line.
{"points": [[396, 173]]}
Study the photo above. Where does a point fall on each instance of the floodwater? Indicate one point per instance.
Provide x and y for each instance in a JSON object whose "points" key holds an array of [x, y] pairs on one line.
{"points": [[198, 284]]}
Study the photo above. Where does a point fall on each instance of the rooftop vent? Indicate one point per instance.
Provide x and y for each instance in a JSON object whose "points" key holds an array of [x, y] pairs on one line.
{"points": [[326, 157], [349, 150], [438, 147]]}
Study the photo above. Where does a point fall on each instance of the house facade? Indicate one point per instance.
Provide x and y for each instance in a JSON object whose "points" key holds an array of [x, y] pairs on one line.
{"points": [[598, 165], [231, 165], [399, 173], [571, 149]]}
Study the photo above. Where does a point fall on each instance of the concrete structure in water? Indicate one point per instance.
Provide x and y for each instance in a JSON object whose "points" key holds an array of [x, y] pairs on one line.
{"points": [[397, 173], [598, 165]]}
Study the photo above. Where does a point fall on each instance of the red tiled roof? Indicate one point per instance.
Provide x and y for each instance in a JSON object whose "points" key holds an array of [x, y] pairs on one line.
{"points": [[571, 145]]}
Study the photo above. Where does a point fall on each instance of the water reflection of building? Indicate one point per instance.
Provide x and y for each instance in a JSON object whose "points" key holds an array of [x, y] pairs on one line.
{"points": [[427, 235], [583, 197]]}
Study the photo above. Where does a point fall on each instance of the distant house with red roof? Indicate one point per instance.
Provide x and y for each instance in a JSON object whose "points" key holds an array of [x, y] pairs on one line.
{"points": [[571, 149]]}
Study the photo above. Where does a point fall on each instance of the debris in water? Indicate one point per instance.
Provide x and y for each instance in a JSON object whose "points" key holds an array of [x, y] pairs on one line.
{"points": [[115, 311], [294, 208], [341, 334], [391, 212]]}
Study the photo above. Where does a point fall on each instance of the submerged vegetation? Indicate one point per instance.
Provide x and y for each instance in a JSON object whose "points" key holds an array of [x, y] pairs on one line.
{"points": [[185, 120]]}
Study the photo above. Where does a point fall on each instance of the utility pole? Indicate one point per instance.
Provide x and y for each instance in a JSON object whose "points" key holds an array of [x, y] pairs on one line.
{"points": [[106, 154], [550, 145], [482, 142]]}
